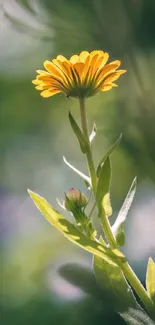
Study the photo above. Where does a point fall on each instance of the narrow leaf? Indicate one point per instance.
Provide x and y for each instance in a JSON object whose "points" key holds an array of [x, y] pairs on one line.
{"points": [[111, 279], [150, 279], [61, 204], [136, 316], [93, 133], [72, 233], [83, 176], [118, 227], [108, 153], [78, 133], [103, 188]]}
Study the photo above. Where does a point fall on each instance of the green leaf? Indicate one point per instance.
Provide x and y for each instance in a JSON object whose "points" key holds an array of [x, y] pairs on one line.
{"points": [[83, 278], [136, 316], [150, 279], [93, 133], [78, 133], [72, 233], [108, 153], [103, 188], [118, 227], [111, 279], [83, 176]]}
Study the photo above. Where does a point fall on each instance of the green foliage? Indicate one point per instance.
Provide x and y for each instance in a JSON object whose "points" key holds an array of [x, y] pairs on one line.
{"points": [[93, 133], [83, 278], [137, 317], [111, 279], [108, 153], [103, 188], [72, 233], [150, 279], [82, 175], [118, 227], [78, 133]]}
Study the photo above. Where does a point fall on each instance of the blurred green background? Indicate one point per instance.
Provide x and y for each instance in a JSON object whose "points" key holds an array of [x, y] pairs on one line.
{"points": [[35, 134]]}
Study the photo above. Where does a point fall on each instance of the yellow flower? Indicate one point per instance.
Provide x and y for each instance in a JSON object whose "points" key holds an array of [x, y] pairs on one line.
{"points": [[81, 76]]}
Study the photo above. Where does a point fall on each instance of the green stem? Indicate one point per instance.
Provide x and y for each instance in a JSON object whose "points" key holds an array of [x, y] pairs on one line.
{"points": [[108, 232], [127, 270], [138, 288], [89, 152]]}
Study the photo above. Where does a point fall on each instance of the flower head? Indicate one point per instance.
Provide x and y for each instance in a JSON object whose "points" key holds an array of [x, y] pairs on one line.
{"points": [[82, 75]]}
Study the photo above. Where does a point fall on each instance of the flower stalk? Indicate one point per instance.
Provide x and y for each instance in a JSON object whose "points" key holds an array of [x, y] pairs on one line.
{"points": [[89, 150]]}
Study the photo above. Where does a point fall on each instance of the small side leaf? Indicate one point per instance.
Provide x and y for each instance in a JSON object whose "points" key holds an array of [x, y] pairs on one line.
{"points": [[72, 233], [78, 133], [83, 176], [118, 227], [93, 133], [103, 188], [108, 153], [113, 283], [150, 279]]}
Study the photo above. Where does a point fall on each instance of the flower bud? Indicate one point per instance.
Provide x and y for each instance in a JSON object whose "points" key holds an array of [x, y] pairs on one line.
{"points": [[74, 200]]}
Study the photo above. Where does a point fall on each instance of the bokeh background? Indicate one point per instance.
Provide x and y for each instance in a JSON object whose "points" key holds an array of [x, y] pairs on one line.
{"points": [[35, 134]]}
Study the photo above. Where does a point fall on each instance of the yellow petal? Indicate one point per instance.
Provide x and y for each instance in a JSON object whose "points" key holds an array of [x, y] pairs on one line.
{"points": [[98, 52], [41, 87], [64, 67], [49, 92], [52, 69], [36, 82], [93, 63], [105, 71], [86, 67], [67, 68], [104, 60], [114, 85], [44, 78], [93, 60], [122, 71], [74, 59], [78, 67], [100, 62], [114, 76], [43, 72], [58, 63], [61, 58], [106, 87], [83, 56], [117, 62], [58, 85]]}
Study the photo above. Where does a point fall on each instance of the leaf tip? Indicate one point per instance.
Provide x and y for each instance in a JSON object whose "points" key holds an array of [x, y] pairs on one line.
{"points": [[120, 137], [135, 181], [69, 114], [150, 260], [29, 191]]}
